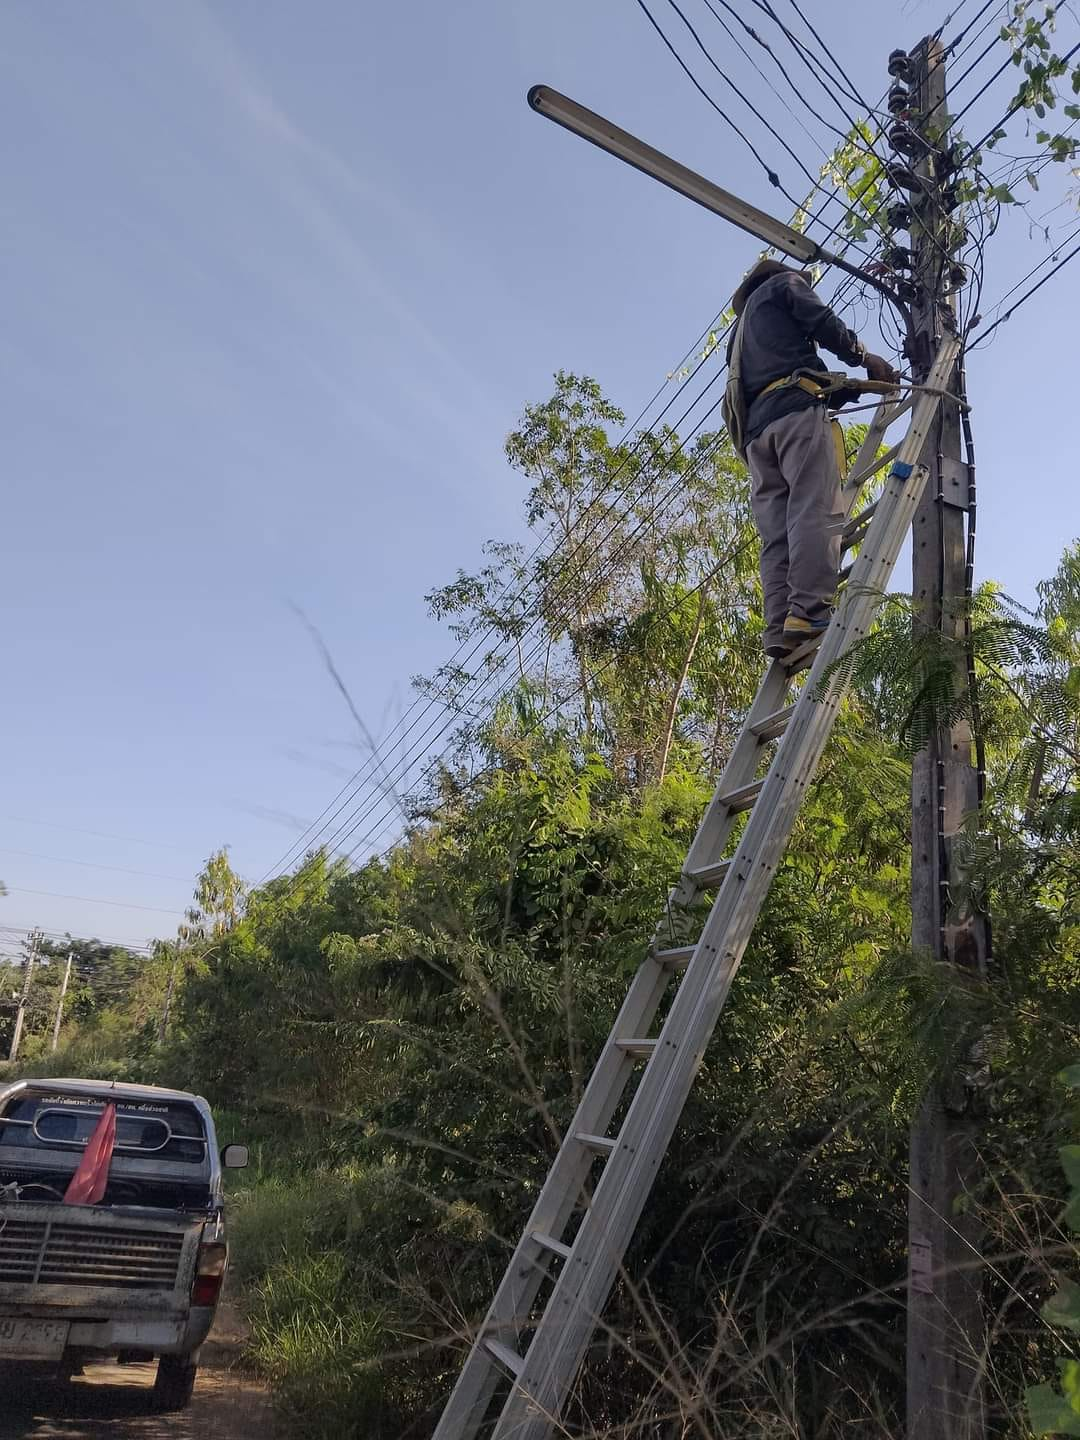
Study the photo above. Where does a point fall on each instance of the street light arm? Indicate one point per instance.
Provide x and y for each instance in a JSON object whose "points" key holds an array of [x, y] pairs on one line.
{"points": [[650, 161]]}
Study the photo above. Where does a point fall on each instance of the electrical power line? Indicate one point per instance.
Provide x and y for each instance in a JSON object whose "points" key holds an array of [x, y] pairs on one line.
{"points": [[354, 786], [814, 181], [93, 900], [955, 41], [363, 776], [65, 935], [759, 40], [839, 70], [984, 335], [773, 177], [357, 818], [802, 51], [93, 865], [380, 825]]}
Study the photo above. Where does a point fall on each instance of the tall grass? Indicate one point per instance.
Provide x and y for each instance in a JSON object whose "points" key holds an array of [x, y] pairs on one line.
{"points": [[315, 1334]]}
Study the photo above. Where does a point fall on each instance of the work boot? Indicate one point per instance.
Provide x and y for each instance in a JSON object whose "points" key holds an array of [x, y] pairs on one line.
{"points": [[776, 643], [797, 630]]}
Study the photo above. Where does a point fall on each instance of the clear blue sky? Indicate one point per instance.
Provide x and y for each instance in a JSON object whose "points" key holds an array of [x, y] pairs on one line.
{"points": [[278, 279]]}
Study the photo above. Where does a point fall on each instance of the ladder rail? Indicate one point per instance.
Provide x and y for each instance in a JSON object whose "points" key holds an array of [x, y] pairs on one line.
{"points": [[576, 1303]]}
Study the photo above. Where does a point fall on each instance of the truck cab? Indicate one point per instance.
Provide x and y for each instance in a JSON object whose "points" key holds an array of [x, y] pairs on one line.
{"points": [[135, 1276]]}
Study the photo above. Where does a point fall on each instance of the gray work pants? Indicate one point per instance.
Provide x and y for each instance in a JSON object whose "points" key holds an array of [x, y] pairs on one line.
{"points": [[795, 497]]}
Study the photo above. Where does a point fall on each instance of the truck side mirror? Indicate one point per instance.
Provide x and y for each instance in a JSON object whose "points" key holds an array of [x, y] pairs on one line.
{"points": [[234, 1157]]}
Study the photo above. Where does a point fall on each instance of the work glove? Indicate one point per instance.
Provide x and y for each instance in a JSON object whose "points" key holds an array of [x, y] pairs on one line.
{"points": [[878, 368]]}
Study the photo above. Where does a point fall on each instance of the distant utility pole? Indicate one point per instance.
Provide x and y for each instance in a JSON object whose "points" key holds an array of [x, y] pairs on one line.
{"points": [[60, 1001], [28, 975], [163, 1023], [945, 1334]]}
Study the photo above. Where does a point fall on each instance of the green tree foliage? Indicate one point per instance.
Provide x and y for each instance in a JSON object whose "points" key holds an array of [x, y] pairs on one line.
{"points": [[110, 989], [623, 648]]}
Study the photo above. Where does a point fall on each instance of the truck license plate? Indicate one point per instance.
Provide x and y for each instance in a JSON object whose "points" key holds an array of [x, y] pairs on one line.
{"points": [[33, 1339]]}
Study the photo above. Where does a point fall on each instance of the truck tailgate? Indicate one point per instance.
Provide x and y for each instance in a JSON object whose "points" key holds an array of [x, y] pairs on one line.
{"points": [[87, 1257]]}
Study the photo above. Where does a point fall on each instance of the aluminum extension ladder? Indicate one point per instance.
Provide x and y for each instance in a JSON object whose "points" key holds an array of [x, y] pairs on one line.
{"points": [[537, 1343]]}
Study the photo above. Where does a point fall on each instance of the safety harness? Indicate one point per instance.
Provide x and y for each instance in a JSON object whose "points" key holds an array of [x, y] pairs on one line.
{"points": [[820, 386]]}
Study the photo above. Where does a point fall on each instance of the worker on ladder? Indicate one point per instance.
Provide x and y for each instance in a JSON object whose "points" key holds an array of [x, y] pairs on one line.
{"points": [[775, 407]]}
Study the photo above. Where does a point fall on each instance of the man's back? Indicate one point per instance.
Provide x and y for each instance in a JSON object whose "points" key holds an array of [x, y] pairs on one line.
{"points": [[782, 324]]}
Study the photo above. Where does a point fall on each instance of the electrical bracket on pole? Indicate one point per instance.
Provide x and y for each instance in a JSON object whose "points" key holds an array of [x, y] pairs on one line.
{"points": [[955, 482]]}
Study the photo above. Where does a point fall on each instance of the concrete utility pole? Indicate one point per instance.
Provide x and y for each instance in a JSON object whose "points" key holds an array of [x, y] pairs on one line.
{"points": [[945, 1319], [60, 1001], [28, 975]]}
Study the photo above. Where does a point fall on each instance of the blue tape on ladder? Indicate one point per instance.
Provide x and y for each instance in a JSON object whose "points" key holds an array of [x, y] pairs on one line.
{"points": [[901, 470]]}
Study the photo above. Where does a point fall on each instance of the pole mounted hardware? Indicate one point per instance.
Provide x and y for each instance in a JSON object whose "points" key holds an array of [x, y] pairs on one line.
{"points": [[902, 176], [905, 141], [897, 257], [899, 65], [899, 100]]}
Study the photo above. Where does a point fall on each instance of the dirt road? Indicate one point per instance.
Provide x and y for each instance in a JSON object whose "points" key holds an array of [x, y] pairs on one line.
{"points": [[110, 1402]]}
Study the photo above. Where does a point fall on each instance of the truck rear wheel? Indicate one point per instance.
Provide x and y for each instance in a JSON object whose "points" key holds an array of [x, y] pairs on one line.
{"points": [[174, 1382]]}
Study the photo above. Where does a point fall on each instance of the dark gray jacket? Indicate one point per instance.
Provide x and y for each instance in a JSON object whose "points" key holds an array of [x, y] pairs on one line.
{"points": [[783, 323]]}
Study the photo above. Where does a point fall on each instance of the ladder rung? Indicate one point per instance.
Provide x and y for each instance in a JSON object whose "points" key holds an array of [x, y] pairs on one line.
{"points": [[676, 959], [600, 1143], [859, 478], [744, 797], [640, 1049], [847, 528], [799, 658], [854, 535], [865, 514], [773, 725], [507, 1358], [710, 874], [548, 1242]]}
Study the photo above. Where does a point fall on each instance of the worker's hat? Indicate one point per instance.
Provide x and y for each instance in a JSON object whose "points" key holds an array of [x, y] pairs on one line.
{"points": [[757, 275]]}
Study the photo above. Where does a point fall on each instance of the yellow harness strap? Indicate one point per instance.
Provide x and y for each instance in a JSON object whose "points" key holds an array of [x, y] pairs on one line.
{"points": [[837, 380], [803, 381]]}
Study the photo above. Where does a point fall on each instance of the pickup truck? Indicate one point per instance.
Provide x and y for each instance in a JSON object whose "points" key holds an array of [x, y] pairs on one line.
{"points": [[134, 1277]]}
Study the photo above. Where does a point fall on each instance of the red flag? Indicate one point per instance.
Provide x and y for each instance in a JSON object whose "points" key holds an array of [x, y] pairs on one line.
{"points": [[89, 1181]]}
